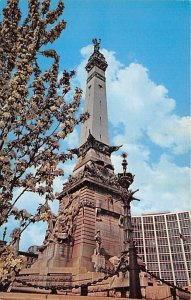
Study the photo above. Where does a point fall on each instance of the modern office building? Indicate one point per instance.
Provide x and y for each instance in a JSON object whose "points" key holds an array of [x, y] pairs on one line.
{"points": [[164, 242]]}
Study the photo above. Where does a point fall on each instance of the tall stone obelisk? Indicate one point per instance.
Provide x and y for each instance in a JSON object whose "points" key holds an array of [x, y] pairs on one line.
{"points": [[93, 174], [94, 138], [95, 101]]}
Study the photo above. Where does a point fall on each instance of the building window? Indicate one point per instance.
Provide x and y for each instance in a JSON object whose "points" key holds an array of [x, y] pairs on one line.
{"points": [[176, 248], [161, 233], [180, 275], [148, 227], [150, 250], [163, 249], [187, 248], [179, 266], [149, 234], [167, 275], [177, 257], [188, 256], [159, 219], [171, 217], [150, 242], [147, 220], [174, 232], [164, 257], [183, 216], [175, 240], [160, 226], [162, 241], [186, 230], [165, 267], [152, 258], [153, 266], [185, 223]]}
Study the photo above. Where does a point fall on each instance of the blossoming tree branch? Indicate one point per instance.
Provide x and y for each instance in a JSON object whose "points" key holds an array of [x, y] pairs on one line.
{"points": [[35, 116]]}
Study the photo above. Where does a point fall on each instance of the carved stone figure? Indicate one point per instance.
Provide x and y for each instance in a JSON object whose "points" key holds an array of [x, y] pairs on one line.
{"points": [[120, 221], [98, 242]]}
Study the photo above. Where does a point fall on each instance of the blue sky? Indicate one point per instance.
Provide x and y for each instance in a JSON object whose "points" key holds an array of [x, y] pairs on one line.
{"points": [[146, 44], [154, 33]]}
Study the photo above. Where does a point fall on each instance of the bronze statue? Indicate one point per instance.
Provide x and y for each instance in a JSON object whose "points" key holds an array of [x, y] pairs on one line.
{"points": [[96, 44], [98, 242]]}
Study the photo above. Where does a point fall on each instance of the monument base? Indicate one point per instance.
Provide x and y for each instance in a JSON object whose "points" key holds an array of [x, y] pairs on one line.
{"points": [[69, 281]]}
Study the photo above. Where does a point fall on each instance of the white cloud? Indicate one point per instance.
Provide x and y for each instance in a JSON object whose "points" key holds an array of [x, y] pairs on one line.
{"points": [[72, 140], [33, 235], [163, 186], [58, 184], [29, 200], [174, 133], [145, 113], [145, 109]]}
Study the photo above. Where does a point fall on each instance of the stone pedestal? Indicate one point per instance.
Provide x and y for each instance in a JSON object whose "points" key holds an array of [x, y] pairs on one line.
{"points": [[99, 262]]}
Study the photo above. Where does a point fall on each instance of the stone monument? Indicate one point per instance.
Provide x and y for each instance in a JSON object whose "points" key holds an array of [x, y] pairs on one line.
{"points": [[87, 236]]}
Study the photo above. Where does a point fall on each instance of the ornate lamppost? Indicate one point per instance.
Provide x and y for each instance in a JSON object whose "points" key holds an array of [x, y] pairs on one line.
{"points": [[125, 180]]}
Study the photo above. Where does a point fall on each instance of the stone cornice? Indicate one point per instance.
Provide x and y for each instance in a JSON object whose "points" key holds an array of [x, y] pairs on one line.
{"points": [[95, 74], [86, 181], [96, 59], [98, 146], [96, 175]]}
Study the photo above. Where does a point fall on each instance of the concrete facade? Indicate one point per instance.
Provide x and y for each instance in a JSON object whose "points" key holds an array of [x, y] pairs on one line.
{"points": [[164, 242]]}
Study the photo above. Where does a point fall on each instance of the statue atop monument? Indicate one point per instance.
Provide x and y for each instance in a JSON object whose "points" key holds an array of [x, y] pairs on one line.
{"points": [[96, 44]]}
